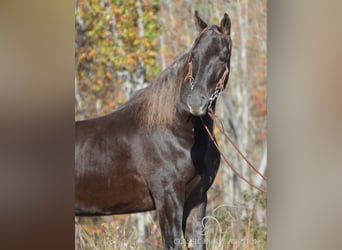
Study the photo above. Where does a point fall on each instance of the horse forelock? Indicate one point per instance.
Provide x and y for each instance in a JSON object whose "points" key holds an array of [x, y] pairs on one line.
{"points": [[159, 101]]}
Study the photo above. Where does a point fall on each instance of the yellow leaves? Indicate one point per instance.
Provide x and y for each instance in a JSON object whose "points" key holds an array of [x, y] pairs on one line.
{"points": [[217, 135], [121, 98], [150, 14], [152, 53], [109, 75], [95, 88], [147, 44], [82, 3], [100, 82], [136, 42], [129, 60], [116, 9], [144, 42], [106, 33], [83, 55], [112, 105], [88, 54], [91, 54]]}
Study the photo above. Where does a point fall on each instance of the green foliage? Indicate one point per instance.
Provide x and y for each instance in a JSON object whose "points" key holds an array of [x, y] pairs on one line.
{"points": [[108, 40]]}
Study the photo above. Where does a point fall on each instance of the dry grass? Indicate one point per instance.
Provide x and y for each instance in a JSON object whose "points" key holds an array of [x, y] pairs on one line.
{"points": [[226, 227]]}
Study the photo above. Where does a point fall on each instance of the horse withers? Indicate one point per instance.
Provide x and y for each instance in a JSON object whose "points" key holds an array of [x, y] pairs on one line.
{"points": [[153, 153]]}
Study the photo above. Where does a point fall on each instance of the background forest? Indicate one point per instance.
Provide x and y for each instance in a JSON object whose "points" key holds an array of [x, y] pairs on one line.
{"points": [[120, 46]]}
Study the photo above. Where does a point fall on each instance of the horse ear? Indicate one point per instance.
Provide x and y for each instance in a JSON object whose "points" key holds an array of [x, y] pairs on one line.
{"points": [[200, 24], [225, 25]]}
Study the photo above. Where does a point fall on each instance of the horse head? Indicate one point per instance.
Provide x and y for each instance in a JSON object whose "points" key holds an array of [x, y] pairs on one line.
{"points": [[208, 62]]}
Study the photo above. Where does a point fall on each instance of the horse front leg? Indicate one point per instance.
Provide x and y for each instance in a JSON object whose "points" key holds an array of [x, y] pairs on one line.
{"points": [[170, 214], [193, 225]]}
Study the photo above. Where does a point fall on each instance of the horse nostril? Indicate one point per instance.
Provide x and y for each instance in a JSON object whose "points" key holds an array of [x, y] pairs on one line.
{"points": [[203, 98]]}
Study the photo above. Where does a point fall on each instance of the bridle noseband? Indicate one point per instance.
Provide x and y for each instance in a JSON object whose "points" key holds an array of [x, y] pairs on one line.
{"points": [[219, 85]]}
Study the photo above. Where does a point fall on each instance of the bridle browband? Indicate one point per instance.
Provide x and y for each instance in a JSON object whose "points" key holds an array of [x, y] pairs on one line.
{"points": [[220, 84]]}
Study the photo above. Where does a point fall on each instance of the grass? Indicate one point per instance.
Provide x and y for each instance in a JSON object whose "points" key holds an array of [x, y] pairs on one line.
{"points": [[226, 228]]}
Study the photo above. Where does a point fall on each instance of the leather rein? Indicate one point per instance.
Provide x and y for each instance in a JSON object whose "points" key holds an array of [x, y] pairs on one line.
{"points": [[230, 164]]}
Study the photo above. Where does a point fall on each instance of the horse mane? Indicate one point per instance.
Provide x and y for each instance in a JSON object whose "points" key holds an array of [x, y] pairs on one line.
{"points": [[158, 102]]}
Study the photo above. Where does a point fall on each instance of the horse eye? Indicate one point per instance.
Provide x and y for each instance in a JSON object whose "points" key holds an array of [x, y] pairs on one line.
{"points": [[223, 58]]}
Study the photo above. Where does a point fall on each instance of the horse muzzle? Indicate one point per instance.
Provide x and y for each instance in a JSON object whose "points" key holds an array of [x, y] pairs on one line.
{"points": [[197, 104]]}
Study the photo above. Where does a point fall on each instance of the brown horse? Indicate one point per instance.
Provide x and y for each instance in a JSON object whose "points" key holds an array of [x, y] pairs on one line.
{"points": [[153, 153]]}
